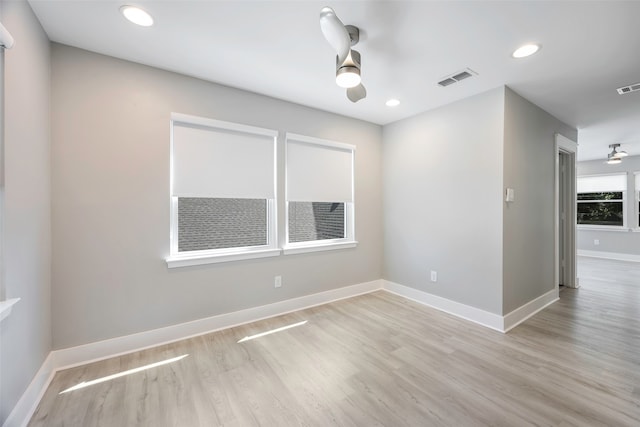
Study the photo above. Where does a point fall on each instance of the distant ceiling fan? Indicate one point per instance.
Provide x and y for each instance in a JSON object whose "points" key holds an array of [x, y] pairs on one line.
{"points": [[342, 37]]}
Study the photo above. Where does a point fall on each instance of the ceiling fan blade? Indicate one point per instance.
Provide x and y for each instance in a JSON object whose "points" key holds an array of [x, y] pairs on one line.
{"points": [[357, 93], [335, 33]]}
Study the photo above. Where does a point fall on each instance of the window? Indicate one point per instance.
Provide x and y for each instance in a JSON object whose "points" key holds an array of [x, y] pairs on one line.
{"points": [[601, 200], [315, 221], [216, 223], [222, 191], [319, 194], [603, 208]]}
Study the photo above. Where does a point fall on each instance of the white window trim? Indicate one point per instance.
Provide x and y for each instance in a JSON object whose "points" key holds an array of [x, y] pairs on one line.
{"points": [[625, 224], [319, 141], [318, 246], [615, 228], [220, 124], [349, 241], [200, 259], [190, 258]]}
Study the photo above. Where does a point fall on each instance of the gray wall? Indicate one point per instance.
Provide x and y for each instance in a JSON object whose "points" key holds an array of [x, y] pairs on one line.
{"points": [[626, 242], [443, 201], [26, 333], [111, 201], [528, 229]]}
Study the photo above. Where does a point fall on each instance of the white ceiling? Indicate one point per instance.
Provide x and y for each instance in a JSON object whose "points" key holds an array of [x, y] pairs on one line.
{"points": [[276, 48]]}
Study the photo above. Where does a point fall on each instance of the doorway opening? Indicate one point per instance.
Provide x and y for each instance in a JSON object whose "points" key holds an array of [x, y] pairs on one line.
{"points": [[565, 215]]}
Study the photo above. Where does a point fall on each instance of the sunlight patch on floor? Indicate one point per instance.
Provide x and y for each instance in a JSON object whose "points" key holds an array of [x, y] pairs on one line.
{"points": [[273, 331], [122, 374]]}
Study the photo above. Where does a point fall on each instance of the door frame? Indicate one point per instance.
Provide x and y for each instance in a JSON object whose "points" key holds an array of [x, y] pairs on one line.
{"points": [[564, 145]]}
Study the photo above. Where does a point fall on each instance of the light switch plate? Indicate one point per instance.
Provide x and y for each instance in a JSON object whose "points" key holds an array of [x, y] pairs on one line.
{"points": [[510, 195]]}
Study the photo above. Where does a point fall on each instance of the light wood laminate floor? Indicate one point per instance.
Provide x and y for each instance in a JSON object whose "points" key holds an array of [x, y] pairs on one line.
{"points": [[381, 360]]}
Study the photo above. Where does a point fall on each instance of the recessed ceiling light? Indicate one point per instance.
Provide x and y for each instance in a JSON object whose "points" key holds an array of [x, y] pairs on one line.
{"points": [[137, 15], [392, 103], [526, 50]]}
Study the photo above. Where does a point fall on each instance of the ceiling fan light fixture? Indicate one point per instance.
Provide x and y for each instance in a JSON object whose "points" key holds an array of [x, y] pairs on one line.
{"points": [[614, 161], [136, 15], [342, 38], [348, 72], [526, 50], [615, 154], [348, 77]]}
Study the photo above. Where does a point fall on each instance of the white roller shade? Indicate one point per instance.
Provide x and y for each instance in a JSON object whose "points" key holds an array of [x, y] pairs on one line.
{"points": [[226, 162], [319, 171], [600, 183]]}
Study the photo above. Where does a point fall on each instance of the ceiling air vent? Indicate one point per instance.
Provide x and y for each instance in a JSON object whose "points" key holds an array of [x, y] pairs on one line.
{"points": [[447, 82], [456, 77], [628, 89]]}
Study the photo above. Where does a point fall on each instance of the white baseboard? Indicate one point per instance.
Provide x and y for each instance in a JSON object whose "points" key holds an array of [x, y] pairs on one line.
{"points": [[26, 406], [473, 314], [522, 313], [80, 355], [83, 354], [618, 256]]}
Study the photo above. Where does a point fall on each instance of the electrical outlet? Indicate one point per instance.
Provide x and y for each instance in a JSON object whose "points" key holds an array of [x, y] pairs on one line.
{"points": [[434, 276], [277, 282], [596, 242]]}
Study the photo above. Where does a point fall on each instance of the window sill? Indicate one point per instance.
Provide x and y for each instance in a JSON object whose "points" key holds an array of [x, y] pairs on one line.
{"points": [[292, 250], [186, 261], [5, 307], [603, 228]]}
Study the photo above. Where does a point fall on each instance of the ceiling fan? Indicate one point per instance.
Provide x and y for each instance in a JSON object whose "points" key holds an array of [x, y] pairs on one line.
{"points": [[342, 37]]}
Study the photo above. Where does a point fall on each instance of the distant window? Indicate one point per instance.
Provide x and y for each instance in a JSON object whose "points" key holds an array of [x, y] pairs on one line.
{"points": [[601, 208], [319, 191], [222, 188], [601, 200]]}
